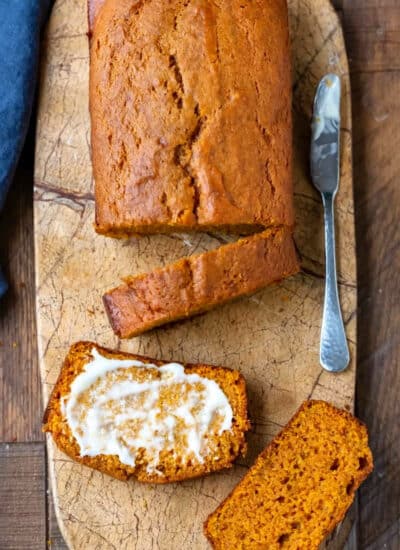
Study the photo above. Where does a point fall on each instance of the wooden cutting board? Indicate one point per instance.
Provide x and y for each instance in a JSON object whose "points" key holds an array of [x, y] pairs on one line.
{"points": [[271, 337]]}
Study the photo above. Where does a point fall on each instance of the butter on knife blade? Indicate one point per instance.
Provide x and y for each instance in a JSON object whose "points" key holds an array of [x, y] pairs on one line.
{"points": [[325, 135]]}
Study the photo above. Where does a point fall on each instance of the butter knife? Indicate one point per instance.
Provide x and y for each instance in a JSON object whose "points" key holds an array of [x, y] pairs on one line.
{"points": [[325, 173]]}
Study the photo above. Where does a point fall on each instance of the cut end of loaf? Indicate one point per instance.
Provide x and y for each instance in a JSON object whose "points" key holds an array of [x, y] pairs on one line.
{"points": [[300, 487]]}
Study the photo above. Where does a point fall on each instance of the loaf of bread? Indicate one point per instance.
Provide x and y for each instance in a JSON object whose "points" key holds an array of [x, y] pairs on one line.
{"points": [[132, 416], [300, 486], [198, 283], [190, 107]]}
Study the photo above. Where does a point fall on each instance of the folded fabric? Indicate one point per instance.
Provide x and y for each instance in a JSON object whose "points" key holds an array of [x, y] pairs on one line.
{"points": [[20, 25]]}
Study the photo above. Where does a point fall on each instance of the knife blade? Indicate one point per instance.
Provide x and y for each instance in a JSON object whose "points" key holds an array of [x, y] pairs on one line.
{"points": [[325, 139]]}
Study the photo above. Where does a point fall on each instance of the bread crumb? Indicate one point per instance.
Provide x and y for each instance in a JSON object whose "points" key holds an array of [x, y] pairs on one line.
{"points": [[300, 486]]}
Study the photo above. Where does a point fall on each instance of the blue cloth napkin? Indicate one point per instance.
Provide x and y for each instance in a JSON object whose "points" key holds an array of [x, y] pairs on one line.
{"points": [[20, 26]]}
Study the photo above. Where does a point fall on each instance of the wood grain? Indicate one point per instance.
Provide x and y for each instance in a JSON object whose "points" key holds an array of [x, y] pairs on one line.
{"points": [[272, 337], [373, 36], [22, 496], [20, 393], [374, 51]]}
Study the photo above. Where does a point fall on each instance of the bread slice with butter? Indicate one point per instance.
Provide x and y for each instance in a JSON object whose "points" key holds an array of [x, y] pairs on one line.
{"points": [[134, 417]]}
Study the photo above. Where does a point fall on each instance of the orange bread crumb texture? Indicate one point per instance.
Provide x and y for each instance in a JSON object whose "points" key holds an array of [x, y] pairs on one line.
{"points": [[300, 486]]}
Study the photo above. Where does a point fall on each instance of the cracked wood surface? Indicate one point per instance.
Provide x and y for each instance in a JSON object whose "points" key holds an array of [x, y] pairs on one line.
{"points": [[271, 337]]}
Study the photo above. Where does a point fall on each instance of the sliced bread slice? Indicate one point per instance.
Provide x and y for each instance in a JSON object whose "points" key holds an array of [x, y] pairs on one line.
{"points": [[300, 486], [198, 283], [132, 416]]}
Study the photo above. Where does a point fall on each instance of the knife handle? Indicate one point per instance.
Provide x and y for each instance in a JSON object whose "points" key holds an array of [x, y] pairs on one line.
{"points": [[334, 351]]}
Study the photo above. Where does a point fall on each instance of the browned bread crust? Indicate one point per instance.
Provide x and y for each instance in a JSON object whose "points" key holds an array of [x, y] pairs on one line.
{"points": [[300, 486], [198, 283], [230, 443], [190, 107]]}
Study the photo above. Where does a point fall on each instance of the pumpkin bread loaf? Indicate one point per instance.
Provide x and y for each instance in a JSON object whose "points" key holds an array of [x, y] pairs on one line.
{"points": [[135, 417], [190, 106], [300, 486], [198, 283]]}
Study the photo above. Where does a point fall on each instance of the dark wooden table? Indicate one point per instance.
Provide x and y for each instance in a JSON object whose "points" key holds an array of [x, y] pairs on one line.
{"points": [[372, 31]]}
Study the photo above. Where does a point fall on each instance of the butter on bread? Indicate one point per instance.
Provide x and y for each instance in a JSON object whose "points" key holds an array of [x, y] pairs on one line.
{"points": [[167, 421], [300, 486]]}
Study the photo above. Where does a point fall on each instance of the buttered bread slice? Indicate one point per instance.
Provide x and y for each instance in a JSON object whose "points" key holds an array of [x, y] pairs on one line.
{"points": [[132, 416]]}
